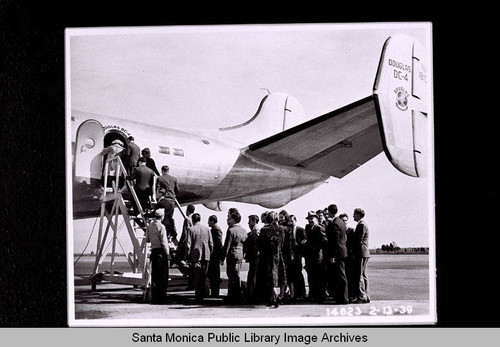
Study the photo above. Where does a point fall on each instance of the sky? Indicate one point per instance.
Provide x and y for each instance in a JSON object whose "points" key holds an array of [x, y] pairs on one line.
{"points": [[205, 77]]}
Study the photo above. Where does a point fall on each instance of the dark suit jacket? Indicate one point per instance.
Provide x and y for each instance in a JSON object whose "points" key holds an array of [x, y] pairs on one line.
{"points": [[169, 183], [168, 207], [182, 241], [350, 242], [296, 244], [217, 239], [143, 177], [361, 240], [300, 239], [150, 163], [133, 153], [337, 237], [251, 245], [316, 243]]}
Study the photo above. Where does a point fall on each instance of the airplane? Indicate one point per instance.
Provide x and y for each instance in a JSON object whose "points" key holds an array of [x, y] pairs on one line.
{"points": [[292, 156]]}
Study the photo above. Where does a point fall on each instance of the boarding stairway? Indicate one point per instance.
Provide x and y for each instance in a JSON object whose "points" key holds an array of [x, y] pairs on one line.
{"points": [[115, 202]]}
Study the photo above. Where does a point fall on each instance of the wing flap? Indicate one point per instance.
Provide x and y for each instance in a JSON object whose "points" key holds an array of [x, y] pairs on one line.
{"points": [[335, 143]]}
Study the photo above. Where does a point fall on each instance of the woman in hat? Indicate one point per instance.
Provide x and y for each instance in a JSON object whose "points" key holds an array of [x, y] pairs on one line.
{"points": [[116, 149]]}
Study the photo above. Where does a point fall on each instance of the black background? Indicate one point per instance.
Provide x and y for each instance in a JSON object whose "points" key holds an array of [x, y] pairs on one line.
{"points": [[32, 93]]}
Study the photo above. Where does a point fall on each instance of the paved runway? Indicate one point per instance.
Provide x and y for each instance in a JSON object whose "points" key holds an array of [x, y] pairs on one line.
{"points": [[400, 294]]}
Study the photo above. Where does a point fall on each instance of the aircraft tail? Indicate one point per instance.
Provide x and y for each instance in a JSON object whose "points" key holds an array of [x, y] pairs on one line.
{"points": [[401, 94], [276, 113]]}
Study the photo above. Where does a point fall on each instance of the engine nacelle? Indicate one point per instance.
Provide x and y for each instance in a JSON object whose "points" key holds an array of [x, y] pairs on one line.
{"points": [[213, 205]]}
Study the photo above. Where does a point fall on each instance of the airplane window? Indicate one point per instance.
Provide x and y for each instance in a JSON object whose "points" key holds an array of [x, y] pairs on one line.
{"points": [[164, 150], [89, 143], [179, 152], [205, 142]]}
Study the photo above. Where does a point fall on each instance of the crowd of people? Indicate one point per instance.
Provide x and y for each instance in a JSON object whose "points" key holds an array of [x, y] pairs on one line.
{"points": [[333, 256]]}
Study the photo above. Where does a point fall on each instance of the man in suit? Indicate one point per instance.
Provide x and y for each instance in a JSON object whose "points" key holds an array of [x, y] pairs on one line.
{"points": [[214, 266], [150, 163], [251, 255], [336, 257], [133, 154], [167, 221], [297, 240], [352, 282], [232, 251], [315, 267], [185, 227], [322, 218], [168, 182], [143, 177], [181, 247], [361, 256], [157, 236], [166, 186], [199, 246]]}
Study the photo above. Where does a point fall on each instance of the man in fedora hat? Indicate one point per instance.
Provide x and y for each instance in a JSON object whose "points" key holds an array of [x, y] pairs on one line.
{"points": [[316, 242], [143, 177]]}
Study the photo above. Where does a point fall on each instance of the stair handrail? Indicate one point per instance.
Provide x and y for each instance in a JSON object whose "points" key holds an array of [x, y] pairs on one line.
{"points": [[121, 171]]}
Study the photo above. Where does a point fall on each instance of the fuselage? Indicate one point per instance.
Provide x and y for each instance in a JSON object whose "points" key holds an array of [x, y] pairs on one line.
{"points": [[208, 167]]}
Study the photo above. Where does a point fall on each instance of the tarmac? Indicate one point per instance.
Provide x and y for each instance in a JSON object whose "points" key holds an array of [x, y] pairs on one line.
{"points": [[112, 304]]}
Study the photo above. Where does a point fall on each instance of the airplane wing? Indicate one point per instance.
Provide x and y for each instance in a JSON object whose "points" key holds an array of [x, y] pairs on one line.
{"points": [[335, 143], [393, 120]]}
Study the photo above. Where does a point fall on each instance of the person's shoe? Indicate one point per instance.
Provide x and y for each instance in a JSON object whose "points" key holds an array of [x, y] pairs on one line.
{"points": [[319, 300], [361, 301], [342, 302]]}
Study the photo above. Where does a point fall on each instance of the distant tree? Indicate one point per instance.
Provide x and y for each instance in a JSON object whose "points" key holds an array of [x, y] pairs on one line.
{"points": [[391, 247], [383, 248]]}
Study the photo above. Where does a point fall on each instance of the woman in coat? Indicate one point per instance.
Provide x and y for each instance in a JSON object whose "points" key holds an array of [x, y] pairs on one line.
{"points": [[271, 261]]}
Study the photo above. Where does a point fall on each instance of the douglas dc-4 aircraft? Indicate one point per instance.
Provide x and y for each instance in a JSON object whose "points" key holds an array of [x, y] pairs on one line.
{"points": [[291, 158]]}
